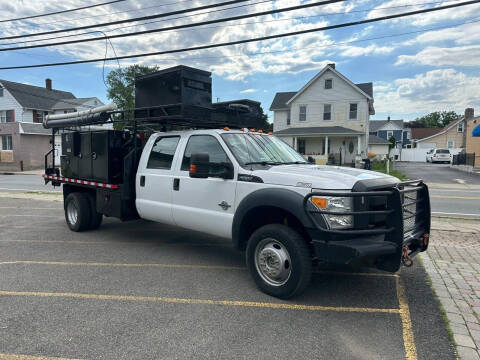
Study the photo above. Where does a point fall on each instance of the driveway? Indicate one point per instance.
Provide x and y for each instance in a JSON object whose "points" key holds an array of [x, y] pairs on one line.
{"points": [[452, 192], [140, 290]]}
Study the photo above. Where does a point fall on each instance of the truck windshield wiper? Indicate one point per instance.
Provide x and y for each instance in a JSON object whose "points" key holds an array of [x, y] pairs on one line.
{"points": [[264, 163], [294, 162]]}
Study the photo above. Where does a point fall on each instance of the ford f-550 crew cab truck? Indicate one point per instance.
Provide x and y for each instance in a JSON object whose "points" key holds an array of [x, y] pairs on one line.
{"points": [[252, 188]]}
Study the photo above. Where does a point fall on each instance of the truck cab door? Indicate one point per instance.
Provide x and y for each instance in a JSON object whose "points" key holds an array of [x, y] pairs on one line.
{"points": [[205, 205], [154, 179]]}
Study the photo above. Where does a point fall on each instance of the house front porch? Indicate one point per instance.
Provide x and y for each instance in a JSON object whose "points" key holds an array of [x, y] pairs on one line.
{"points": [[341, 144]]}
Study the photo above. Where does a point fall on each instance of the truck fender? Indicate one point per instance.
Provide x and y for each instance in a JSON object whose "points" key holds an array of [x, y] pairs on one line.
{"points": [[284, 199]]}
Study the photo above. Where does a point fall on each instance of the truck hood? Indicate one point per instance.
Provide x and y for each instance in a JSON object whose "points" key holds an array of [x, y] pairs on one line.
{"points": [[318, 176]]}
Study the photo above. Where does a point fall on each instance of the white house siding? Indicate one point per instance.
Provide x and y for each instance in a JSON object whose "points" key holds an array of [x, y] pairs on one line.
{"points": [[315, 96], [8, 102], [280, 120], [379, 149]]}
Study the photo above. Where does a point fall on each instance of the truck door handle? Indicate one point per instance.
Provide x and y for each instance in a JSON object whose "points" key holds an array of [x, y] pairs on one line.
{"points": [[142, 180], [176, 184]]}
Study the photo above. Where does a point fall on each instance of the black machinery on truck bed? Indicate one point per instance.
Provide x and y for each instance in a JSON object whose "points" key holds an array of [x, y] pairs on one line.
{"points": [[105, 161]]}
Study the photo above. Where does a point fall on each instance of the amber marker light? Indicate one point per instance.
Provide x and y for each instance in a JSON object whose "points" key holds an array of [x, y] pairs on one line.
{"points": [[193, 169], [319, 202]]}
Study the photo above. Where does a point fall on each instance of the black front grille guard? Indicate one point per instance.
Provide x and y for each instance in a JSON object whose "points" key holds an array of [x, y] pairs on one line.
{"points": [[397, 203]]}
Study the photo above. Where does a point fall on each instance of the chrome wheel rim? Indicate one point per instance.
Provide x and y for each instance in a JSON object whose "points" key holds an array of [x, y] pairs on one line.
{"points": [[72, 212], [272, 262]]}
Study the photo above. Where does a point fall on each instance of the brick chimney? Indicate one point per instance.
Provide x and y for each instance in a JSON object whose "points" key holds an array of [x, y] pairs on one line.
{"points": [[332, 65], [388, 118], [469, 113], [48, 84]]}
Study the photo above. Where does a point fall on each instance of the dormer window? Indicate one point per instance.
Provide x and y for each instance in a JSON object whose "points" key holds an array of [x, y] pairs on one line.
{"points": [[328, 83]]}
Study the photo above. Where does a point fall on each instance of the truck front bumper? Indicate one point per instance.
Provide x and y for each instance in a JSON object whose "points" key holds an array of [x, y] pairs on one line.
{"points": [[400, 234]]}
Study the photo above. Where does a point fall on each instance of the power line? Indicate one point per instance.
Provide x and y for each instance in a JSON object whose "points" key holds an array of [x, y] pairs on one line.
{"points": [[222, 26], [62, 11], [110, 14], [124, 27], [177, 27], [183, 11], [244, 41]]}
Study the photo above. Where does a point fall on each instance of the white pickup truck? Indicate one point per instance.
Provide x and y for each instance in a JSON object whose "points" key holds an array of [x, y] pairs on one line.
{"points": [[287, 214]]}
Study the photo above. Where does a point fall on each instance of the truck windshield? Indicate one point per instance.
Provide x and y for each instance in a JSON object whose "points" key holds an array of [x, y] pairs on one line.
{"points": [[251, 148]]}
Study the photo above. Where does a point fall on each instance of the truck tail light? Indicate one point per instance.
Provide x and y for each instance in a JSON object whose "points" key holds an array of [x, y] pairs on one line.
{"points": [[193, 169]]}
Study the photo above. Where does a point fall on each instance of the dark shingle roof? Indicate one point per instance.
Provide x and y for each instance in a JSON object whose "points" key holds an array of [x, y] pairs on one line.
{"points": [[72, 103], [35, 129], [372, 139], [367, 88], [318, 130], [280, 100], [35, 97], [421, 133], [377, 124]]}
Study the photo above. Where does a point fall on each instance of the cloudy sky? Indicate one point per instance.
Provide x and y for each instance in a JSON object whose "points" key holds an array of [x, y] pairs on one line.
{"points": [[419, 64]]}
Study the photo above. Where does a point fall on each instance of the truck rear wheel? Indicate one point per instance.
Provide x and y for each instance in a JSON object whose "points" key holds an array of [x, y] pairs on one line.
{"points": [[279, 261], [77, 211], [95, 217]]}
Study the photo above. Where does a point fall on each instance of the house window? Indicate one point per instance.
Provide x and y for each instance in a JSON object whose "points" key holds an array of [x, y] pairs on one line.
{"points": [[353, 112], [328, 83], [409, 135], [7, 142], [450, 144], [327, 112], [302, 115], [460, 127], [301, 146], [3, 116], [389, 134], [288, 117]]}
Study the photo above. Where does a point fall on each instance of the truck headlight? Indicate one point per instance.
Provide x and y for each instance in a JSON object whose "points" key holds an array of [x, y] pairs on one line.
{"points": [[337, 204]]}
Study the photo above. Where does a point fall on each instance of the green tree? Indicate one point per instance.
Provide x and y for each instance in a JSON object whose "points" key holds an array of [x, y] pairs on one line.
{"points": [[393, 142], [437, 119], [121, 87]]}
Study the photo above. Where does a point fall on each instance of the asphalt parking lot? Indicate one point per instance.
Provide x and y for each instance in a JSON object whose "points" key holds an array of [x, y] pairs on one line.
{"points": [[141, 290]]}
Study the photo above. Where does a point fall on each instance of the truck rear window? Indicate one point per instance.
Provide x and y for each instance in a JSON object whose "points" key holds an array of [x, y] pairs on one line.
{"points": [[161, 156], [443, 151]]}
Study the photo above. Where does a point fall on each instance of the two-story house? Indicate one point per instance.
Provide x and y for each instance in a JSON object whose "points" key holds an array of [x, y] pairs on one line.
{"points": [[23, 140], [329, 115], [385, 129]]}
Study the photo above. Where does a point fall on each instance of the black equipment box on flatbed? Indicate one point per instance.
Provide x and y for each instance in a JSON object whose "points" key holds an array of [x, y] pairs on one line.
{"points": [[180, 91], [93, 155]]}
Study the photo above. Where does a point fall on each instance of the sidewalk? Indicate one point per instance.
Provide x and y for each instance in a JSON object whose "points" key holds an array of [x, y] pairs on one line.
{"points": [[452, 262], [28, 172]]}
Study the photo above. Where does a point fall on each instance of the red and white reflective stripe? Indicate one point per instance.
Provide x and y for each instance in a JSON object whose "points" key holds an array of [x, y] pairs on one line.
{"points": [[82, 182]]}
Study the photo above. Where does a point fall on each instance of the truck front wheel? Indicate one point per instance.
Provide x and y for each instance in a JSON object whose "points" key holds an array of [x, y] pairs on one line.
{"points": [[279, 261], [77, 211]]}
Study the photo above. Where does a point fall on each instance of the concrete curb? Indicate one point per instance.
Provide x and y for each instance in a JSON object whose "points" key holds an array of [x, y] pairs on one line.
{"points": [[456, 216]]}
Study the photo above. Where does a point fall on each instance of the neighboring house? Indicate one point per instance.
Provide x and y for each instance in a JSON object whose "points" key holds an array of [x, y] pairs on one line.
{"points": [[421, 133], [329, 115], [472, 144], [451, 136], [378, 146], [23, 140], [385, 129]]}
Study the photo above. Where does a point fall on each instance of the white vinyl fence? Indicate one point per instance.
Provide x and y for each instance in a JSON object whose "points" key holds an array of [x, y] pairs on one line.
{"points": [[419, 154]]}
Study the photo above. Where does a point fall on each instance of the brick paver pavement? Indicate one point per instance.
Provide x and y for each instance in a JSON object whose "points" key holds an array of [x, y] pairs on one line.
{"points": [[452, 262]]}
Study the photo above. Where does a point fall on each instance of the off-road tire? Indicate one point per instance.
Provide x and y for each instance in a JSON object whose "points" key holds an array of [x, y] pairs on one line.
{"points": [[95, 217], [300, 260], [78, 202]]}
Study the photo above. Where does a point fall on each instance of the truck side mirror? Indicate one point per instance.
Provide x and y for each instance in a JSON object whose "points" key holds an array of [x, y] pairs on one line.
{"points": [[227, 172], [199, 165]]}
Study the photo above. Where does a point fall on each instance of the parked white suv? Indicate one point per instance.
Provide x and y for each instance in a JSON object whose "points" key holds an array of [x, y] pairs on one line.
{"points": [[439, 155]]}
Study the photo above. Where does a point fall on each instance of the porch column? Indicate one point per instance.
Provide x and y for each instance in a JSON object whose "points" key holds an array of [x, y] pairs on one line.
{"points": [[295, 144], [359, 141], [326, 145]]}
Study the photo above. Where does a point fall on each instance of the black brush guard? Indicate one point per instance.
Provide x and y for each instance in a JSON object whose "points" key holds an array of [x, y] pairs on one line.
{"points": [[389, 225]]}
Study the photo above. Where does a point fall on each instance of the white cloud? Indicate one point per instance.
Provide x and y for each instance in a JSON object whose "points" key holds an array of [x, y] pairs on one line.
{"points": [[248, 91], [445, 89], [444, 56]]}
